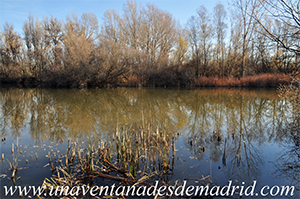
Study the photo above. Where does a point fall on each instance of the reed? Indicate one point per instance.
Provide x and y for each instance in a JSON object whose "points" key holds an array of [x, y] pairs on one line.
{"points": [[14, 163], [133, 156]]}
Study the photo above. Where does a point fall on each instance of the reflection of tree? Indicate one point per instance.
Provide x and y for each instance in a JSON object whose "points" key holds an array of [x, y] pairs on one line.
{"points": [[13, 112], [58, 114], [2, 126], [244, 121], [243, 160], [288, 163]]}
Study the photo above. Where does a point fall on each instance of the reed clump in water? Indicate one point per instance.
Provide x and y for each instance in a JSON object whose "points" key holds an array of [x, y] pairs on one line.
{"points": [[132, 157], [13, 164]]}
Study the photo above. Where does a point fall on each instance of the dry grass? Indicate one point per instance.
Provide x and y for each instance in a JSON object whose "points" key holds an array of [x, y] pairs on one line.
{"points": [[263, 80]]}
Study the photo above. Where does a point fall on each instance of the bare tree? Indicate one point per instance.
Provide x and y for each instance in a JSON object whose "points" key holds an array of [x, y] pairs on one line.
{"points": [[131, 24], [205, 36], [287, 12], [181, 51], [234, 51], [194, 40], [10, 48], [220, 29], [246, 10], [54, 39], [34, 35], [113, 61], [161, 29], [79, 43], [150, 32], [111, 28]]}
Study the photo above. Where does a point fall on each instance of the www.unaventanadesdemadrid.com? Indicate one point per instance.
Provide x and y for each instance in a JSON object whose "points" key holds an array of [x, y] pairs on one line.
{"points": [[178, 190]]}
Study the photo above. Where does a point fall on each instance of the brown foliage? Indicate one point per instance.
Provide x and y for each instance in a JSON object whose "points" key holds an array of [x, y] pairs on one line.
{"points": [[263, 80]]}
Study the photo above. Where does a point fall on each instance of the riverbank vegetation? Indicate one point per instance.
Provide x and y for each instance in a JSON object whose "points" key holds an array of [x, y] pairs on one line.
{"points": [[254, 44]]}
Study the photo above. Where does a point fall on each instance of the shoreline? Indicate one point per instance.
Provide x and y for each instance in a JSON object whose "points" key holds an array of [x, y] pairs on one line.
{"points": [[255, 81]]}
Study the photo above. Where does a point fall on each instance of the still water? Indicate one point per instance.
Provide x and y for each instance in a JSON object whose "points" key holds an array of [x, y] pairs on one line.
{"points": [[253, 139]]}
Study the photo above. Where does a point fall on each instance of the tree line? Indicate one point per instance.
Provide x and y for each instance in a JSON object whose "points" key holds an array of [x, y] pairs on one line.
{"points": [[147, 46]]}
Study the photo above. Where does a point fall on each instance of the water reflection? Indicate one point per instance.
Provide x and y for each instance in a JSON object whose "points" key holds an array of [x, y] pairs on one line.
{"points": [[79, 112], [228, 127], [288, 161]]}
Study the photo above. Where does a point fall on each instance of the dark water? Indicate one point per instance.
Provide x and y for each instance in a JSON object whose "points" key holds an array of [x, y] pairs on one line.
{"points": [[254, 144]]}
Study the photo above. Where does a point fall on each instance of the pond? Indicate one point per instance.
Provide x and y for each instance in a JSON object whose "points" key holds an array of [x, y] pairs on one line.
{"points": [[220, 134]]}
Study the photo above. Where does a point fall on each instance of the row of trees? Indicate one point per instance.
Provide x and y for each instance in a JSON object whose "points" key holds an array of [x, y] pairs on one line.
{"points": [[146, 45]]}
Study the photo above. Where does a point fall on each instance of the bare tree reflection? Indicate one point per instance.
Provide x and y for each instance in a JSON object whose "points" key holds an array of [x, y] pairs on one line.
{"points": [[230, 129], [288, 163]]}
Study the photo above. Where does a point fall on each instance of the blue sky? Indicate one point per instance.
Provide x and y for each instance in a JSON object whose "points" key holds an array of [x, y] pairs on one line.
{"points": [[17, 11]]}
